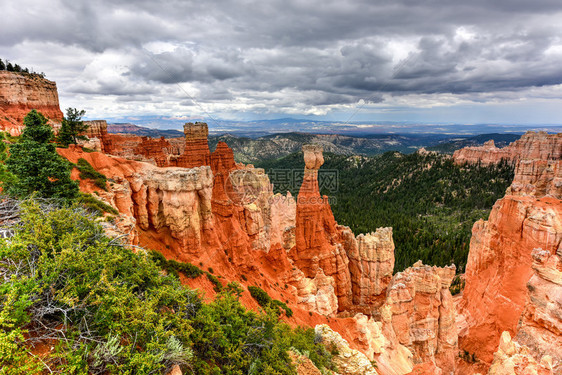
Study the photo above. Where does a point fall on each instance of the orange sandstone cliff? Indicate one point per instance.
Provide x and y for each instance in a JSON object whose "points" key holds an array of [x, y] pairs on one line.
{"points": [[513, 272], [22, 92], [531, 146]]}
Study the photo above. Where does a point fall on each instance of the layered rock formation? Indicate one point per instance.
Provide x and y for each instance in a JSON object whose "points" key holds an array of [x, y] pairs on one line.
{"points": [[22, 92], [189, 152], [380, 344], [531, 146], [420, 309], [318, 253], [509, 274], [241, 205], [196, 151], [97, 137], [371, 262], [155, 150], [537, 178], [540, 326], [174, 201], [336, 271]]}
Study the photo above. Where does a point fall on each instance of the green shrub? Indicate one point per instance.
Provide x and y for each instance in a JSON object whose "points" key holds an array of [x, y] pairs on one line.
{"points": [[188, 269], [234, 288], [93, 204], [108, 310], [283, 305], [88, 172], [35, 167], [263, 299], [76, 285], [457, 285], [173, 267], [217, 286]]}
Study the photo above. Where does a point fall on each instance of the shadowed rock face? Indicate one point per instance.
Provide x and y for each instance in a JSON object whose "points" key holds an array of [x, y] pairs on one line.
{"points": [[540, 326], [537, 178], [531, 146], [20, 93], [371, 262]]}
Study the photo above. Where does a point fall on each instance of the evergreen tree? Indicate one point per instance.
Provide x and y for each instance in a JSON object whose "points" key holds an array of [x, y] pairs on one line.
{"points": [[6, 178], [2, 65], [9, 67], [36, 165], [72, 127]]}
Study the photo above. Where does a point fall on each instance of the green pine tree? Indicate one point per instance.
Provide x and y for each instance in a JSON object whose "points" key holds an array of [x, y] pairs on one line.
{"points": [[6, 178], [72, 127], [36, 165]]}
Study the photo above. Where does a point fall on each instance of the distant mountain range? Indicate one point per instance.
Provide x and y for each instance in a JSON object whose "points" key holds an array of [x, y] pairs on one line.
{"points": [[127, 128], [250, 150], [258, 128], [273, 146]]}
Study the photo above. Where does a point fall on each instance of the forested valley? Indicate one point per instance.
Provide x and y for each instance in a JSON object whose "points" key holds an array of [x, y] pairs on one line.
{"points": [[430, 202]]}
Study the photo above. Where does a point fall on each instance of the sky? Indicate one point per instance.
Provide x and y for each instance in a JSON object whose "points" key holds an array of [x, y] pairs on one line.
{"points": [[446, 61]]}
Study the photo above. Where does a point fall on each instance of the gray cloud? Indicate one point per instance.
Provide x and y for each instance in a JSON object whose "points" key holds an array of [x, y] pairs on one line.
{"points": [[286, 55]]}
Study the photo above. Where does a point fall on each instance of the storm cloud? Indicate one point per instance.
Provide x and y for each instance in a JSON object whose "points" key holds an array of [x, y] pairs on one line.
{"points": [[305, 57]]}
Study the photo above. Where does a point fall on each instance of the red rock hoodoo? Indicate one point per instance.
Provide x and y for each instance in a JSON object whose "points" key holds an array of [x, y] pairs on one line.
{"points": [[318, 253], [196, 151], [22, 92]]}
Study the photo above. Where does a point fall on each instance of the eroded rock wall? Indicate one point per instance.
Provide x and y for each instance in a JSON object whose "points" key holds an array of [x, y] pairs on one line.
{"points": [[175, 201], [531, 146], [420, 310], [540, 326], [22, 92], [508, 254]]}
